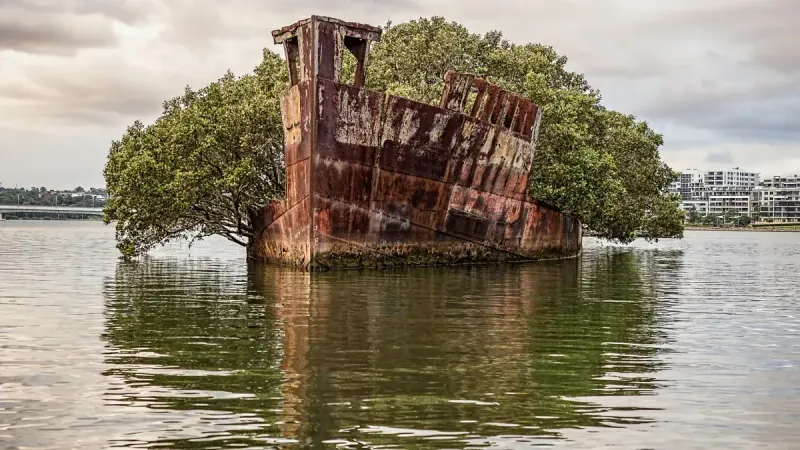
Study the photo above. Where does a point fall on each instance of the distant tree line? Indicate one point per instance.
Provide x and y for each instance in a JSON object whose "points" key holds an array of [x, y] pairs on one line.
{"points": [[43, 196], [728, 219]]}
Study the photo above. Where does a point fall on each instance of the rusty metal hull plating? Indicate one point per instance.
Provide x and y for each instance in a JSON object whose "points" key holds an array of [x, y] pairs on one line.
{"points": [[376, 180]]}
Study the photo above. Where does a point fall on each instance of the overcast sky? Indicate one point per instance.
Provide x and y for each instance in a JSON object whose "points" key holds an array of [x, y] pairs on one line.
{"points": [[719, 78]]}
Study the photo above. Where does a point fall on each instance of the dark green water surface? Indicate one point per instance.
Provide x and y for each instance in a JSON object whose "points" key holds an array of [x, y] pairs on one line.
{"points": [[681, 344]]}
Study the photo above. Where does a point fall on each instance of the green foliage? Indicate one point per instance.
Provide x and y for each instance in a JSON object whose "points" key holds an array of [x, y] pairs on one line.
{"points": [[728, 219], [692, 216], [745, 221], [707, 220], [215, 154], [42, 196], [210, 158]]}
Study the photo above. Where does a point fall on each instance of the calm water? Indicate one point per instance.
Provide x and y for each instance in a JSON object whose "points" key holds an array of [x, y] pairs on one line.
{"points": [[681, 344]]}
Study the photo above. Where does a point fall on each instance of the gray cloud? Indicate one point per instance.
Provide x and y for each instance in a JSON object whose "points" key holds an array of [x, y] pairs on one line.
{"points": [[760, 110], [721, 157], [765, 29], [130, 12], [94, 96], [56, 159], [126, 11], [729, 68], [30, 32], [196, 25], [62, 27]]}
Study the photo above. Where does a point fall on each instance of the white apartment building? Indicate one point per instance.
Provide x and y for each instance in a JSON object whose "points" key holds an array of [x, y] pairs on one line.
{"points": [[733, 177], [735, 192], [700, 207], [729, 191], [689, 184], [675, 187], [717, 192], [778, 199]]}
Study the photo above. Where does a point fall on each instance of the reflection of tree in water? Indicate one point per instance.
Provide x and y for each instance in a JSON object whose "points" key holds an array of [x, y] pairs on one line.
{"points": [[603, 341], [474, 349], [456, 350], [192, 336]]}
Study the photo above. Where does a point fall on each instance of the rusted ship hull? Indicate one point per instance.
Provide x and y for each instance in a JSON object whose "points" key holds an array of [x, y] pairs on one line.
{"points": [[376, 180]]}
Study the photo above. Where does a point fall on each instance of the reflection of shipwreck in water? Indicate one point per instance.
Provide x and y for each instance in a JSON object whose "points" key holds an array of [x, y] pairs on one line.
{"points": [[378, 180]]}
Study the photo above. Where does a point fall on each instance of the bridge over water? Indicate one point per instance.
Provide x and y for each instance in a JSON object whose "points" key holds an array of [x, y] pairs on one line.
{"points": [[87, 211]]}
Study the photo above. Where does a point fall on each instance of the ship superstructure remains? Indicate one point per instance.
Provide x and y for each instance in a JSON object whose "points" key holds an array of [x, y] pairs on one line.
{"points": [[377, 180]]}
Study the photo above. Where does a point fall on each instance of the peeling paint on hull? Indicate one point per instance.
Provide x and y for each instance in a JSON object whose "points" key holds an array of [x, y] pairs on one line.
{"points": [[376, 180]]}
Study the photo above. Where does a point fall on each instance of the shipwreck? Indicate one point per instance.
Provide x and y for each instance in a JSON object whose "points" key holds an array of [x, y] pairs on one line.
{"points": [[377, 180]]}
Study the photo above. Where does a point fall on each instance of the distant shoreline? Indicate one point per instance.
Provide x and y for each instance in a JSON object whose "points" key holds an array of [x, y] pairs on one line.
{"points": [[762, 229], [48, 219], [779, 229]]}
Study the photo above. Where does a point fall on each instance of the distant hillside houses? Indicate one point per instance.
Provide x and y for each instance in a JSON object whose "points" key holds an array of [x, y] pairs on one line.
{"points": [[84, 194], [43, 196], [94, 195], [81, 192], [730, 193]]}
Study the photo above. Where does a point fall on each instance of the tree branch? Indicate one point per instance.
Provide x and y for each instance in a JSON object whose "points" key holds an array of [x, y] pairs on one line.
{"points": [[232, 238]]}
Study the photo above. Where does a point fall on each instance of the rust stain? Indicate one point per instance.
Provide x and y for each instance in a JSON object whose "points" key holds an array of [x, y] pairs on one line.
{"points": [[375, 180]]}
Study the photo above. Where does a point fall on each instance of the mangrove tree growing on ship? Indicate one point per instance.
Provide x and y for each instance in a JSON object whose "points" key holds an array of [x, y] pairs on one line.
{"points": [[215, 155]]}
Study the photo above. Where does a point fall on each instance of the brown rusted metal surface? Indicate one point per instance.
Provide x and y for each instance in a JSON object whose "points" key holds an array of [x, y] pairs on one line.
{"points": [[375, 180]]}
